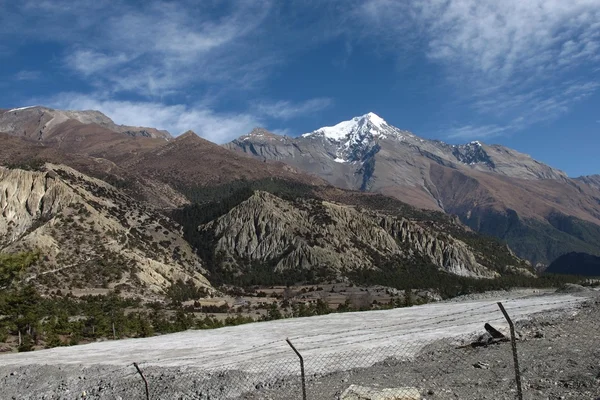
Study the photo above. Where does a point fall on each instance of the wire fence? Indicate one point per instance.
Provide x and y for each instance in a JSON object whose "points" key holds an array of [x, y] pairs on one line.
{"points": [[550, 355], [558, 356]]}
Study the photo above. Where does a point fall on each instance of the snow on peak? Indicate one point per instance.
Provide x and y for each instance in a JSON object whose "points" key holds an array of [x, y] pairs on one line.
{"points": [[357, 137], [21, 108], [375, 119], [476, 143], [369, 123]]}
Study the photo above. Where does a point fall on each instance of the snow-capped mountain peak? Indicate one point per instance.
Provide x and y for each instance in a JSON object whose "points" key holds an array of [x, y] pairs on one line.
{"points": [[370, 124], [375, 119], [355, 138]]}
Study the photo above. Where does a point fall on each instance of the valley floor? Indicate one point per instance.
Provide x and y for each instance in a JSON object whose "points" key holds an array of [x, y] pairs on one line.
{"points": [[183, 365]]}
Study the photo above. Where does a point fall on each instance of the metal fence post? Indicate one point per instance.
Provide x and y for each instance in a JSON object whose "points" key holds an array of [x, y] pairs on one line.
{"points": [[513, 342], [301, 368], [144, 379]]}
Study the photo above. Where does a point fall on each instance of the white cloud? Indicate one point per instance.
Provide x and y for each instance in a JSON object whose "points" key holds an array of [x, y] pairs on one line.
{"points": [[152, 48], [495, 40], [511, 59], [177, 118], [285, 110], [540, 105], [89, 62]]}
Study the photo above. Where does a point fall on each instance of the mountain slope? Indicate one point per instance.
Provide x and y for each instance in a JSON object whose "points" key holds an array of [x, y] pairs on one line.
{"points": [[591, 180], [89, 234], [41, 123], [262, 236], [139, 160], [576, 264], [83, 132], [189, 163], [493, 189], [21, 153]]}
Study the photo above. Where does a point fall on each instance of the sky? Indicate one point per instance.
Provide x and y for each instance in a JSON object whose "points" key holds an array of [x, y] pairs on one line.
{"points": [[521, 73]]}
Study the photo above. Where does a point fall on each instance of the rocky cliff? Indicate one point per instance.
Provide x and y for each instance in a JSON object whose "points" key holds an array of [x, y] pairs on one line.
{"points": [[90, 234], [316, 234]]}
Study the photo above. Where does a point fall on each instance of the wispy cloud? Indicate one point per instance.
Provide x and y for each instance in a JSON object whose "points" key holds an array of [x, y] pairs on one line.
{"points": [[151, 48], [507, 59], [26, 75], [89, 62], [285, 110], [177, 118], [493, 39], [476, 131]]}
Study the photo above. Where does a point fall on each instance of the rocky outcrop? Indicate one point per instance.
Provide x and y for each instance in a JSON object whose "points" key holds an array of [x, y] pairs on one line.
{"points": [[27, 197], [448, 253], [591, 180], [89, 234], [309, 234]]}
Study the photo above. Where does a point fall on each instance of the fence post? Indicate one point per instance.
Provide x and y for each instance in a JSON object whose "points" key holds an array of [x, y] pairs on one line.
{"points": [[144, 379], [513, 342], [301, 368]]}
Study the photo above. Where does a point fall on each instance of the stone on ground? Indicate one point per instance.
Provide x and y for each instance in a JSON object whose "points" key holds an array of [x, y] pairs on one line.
{"points": [[355, 392]]}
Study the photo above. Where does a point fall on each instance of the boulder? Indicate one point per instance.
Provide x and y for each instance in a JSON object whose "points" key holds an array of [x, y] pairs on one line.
{"points": [[355, 392]]}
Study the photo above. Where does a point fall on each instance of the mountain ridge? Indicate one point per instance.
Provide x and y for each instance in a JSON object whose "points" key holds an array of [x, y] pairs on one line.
{"points": [[53, 117], [494, 190], [489, 181]]}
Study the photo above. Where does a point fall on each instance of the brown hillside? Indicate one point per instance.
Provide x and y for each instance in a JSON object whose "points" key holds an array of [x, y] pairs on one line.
{"points": [[190, 160]]}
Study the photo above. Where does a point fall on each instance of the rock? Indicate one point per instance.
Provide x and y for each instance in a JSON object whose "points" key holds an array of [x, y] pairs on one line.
{"points": [[484, 340], [355, 392], [494, 332], [481, 365]]}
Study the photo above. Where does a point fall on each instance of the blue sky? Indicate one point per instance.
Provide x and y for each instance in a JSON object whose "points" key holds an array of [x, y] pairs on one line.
{"points": [[523, 73]]}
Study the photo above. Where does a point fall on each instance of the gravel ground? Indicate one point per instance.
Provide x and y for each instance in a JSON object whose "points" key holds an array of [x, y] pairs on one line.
{"points": [[559, 355]]}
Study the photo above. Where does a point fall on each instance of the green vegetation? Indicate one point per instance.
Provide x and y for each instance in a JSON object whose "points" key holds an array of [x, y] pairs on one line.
{"points": [[60, 320], [228, 191], [28, 320], [13, 265], [34, 164], [576, 263], [182, 291], [419, 274]]}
